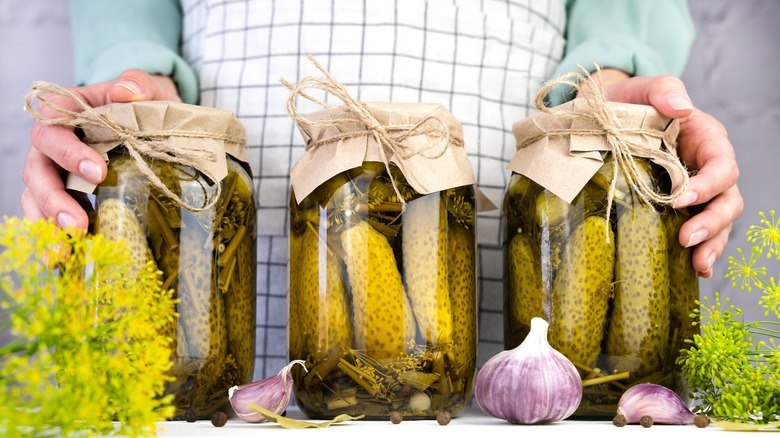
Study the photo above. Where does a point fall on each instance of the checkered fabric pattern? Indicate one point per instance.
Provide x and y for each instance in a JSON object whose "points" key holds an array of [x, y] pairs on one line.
{"points": [[481, 59]]}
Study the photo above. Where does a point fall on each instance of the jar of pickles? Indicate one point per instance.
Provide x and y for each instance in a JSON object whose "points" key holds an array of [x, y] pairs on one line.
{"points": [[382, 265], [591, 247], [196, 221]]}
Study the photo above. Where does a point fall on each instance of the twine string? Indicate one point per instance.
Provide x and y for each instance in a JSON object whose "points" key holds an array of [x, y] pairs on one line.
{"points": [[390, 138], [140, 145], [608, 125]]}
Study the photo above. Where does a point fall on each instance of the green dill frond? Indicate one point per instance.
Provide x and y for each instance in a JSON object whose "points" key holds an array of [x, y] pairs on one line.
{"points": [[733, 366]]}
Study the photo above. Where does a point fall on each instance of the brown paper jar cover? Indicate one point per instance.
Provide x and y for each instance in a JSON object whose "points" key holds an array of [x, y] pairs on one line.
{"points": [[432, 159], [184, 127], [563, 163]]}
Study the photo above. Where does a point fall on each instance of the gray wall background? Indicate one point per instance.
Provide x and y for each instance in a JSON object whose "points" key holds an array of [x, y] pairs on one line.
{"points": [[731, 74]]}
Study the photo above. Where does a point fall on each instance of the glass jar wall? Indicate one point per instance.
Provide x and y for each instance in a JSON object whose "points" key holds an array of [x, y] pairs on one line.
{"points": [[616, 287], [207, 257], [382, 297]]}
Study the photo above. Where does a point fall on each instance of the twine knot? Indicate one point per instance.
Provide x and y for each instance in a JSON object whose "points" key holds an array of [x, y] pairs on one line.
{"points": [[608, 125]]}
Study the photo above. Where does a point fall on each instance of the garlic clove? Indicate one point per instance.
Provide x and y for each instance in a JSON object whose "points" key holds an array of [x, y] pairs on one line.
{"points": [[661, 404], [272, 393], [532, 383]]}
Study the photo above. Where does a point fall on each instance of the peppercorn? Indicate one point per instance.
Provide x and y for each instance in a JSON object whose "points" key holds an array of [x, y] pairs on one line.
{"points": [[619, 420], [701, 420], [396, 417], [218, 419], [444, 418], [190, 416], [646, 421]]}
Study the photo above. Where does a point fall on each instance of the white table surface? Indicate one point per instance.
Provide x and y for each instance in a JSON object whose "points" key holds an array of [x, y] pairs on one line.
{"points": [[472, 423]]}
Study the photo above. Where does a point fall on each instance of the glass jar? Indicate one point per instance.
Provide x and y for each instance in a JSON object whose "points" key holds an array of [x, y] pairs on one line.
{"points": [[208, 257], [382, 297], [616, 287]]}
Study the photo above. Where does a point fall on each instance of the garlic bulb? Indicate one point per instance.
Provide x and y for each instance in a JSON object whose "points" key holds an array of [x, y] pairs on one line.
{"points": [[661, 404], [272, 393], [532, 383]]}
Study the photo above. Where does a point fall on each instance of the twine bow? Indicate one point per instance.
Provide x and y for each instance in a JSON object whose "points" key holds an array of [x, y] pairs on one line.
{"points": [[609, 126], [389, 137], [139, 144]]}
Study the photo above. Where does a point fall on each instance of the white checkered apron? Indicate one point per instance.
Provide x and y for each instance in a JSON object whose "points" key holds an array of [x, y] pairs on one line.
{"points": [[481, 59]]}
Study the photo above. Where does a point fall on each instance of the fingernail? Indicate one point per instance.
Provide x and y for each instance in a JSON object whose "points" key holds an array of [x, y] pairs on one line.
{"points": [[679, 102], [64, 220], [697, 238], [686, 199], [90, 171], [711, 262], [130, 86]]}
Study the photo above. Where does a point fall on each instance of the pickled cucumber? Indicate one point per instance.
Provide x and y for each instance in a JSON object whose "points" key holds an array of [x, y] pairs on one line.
{"points": [[383, 323], [525, 295], [461, 258], [639, 325], [425, 267], [118, 222], [294, 317], [240, 302], [683, 282], [581, 292], [201, 305], [321, 312]]}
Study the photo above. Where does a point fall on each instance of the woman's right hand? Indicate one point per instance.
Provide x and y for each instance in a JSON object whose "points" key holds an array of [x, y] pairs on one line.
{"points": [[56, 150]]}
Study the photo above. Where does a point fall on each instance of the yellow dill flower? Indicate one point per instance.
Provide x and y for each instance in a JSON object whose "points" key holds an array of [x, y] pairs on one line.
{"points": [[767, 234], [771, 298], [87, 356], [744, 272]]}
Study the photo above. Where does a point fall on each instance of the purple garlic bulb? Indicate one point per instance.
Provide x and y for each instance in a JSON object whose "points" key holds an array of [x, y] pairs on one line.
{"points": [[532, 383]]}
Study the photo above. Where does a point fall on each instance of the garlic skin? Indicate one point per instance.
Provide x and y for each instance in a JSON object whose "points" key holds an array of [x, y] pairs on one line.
{"points": [[272, 393], [532, 383], [662, 404]]}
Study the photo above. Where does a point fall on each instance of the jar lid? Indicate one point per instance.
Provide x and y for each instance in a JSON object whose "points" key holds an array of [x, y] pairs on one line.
{"points": [[561, 149], [193, 135], [424, 140]]}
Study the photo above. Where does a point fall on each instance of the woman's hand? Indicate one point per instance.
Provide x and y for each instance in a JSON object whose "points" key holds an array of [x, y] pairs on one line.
{"points": [[56, 150], [705, 149]]}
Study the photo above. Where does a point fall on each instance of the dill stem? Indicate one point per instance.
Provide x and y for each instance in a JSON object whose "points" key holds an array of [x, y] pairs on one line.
{"points": [[605, 379], [358, 376], [225, 275], [227, 255], [155, 211]]}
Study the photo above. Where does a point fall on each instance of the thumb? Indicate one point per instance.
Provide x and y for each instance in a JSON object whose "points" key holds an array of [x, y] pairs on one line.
{"points": [[666, 93], [136, 85]]}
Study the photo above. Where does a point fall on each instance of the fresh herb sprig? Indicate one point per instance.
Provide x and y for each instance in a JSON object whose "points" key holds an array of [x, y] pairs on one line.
{"points": [[90, 352], [733, 373]]}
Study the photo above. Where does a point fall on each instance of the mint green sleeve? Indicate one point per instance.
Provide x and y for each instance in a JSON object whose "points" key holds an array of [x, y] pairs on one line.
{"points": [[110, 37], [639, 37]]}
